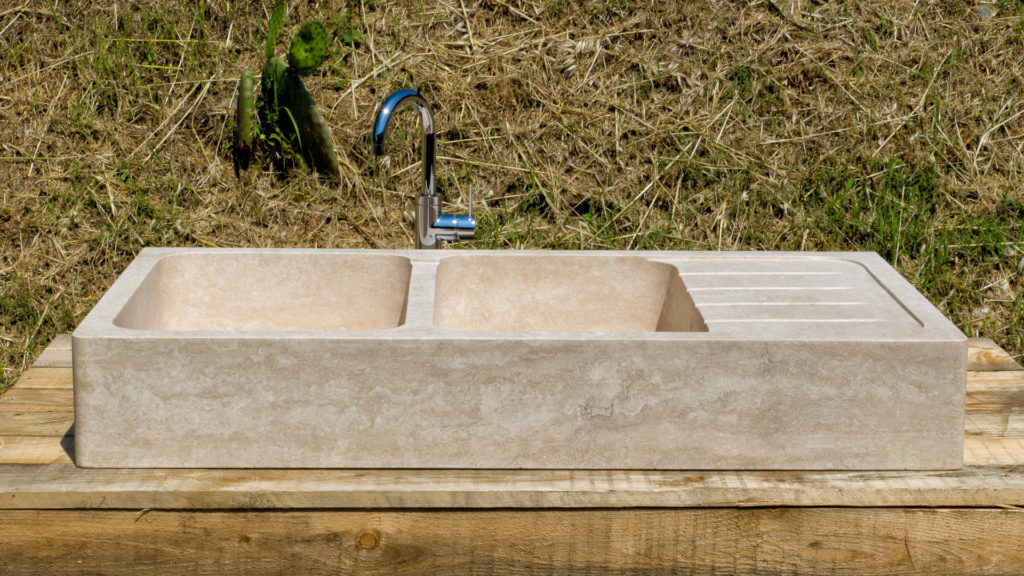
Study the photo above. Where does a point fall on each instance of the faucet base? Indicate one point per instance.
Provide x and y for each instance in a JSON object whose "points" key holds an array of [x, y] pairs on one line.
{"points": [[427, 209]]}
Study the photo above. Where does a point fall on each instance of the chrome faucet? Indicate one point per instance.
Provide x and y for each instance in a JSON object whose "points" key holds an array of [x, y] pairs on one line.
{"points": [[432, 226]]}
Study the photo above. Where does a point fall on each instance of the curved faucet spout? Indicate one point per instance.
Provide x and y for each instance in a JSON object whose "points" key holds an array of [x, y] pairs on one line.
{"points": [[383, 119], [432, 225]]}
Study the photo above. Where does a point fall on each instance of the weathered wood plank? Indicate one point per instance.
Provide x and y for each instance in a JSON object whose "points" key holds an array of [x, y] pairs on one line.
{"points": [[26, 399], [984, 354], [790, 541], [57, 354], [982, 451], [1002, 424], [35, 422], [999, 402], [65, 486], [47, 377], [36, 450], [995, 403], [995, 381]]}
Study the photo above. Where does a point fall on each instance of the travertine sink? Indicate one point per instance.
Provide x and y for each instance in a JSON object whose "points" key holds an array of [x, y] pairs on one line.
{"points": [[443, 359]]}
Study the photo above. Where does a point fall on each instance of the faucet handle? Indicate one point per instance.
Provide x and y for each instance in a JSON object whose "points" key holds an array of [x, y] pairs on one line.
{"points": [[453, 227], [464, 222]]}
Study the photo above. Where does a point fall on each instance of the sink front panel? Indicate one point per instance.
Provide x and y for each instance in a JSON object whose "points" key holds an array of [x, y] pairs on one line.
{"points": [[439, 359], [466, 403]]}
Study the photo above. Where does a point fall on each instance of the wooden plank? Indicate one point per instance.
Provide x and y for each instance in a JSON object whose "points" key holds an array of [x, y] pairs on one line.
{"points": [[35, 422], [36, 449], [790, 541], [1004, 402], [25, 399], [995, 381], [984, 354], [57, 486], [983, 451], [57, 354], [1004, 424], [46, 378]]}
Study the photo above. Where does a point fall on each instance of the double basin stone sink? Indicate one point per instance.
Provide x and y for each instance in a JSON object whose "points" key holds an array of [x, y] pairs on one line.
{"points": [[243, 358]]}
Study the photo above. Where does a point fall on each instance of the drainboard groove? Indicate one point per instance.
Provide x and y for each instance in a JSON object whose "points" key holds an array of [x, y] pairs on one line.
{"points": [[761, 288], [723, 304], [792, 320], [731, 273]]}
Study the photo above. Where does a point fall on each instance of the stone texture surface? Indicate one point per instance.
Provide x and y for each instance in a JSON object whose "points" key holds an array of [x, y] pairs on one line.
{"points": [[561, 293], [270, 291], [667, 360]]}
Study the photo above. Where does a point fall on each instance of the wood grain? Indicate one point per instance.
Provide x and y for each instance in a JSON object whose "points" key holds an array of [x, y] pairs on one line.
{"points": [[24, 399], [62, 485], [46, 377], [984, 354], [791, 541], [1007, 424], [35, 422], [994, 381], [36, 450], [981, 451], [57, 354]]}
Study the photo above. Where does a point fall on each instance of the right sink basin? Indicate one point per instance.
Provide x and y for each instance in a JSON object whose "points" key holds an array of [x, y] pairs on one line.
{"points": [[562, 293]]}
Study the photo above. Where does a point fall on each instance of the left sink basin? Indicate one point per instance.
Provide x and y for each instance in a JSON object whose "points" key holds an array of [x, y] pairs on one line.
{"points": [[209, 358], [269, 291]]}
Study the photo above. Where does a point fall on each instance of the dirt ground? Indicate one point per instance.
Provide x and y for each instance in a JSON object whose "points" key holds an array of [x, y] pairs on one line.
{"points": [[896, 127]]}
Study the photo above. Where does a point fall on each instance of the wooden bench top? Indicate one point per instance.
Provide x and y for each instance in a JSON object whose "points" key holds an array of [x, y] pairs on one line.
{"points": [[37, 471]]}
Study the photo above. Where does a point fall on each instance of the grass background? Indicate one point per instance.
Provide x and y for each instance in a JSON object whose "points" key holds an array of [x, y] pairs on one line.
{"points": [[896, 127]]}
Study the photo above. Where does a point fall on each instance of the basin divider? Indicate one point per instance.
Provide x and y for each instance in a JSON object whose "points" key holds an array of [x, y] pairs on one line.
{"points": [[420, 302]]}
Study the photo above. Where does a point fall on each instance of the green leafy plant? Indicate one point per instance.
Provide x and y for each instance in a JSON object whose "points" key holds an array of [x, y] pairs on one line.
{"points": [[286, 116]]}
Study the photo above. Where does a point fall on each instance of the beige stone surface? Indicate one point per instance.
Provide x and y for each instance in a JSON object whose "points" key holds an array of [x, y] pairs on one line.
{"points": [[257, 358], [562, 293], [270, 291]]}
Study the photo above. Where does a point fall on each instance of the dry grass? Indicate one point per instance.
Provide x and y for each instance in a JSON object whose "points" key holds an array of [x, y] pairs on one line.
{"points": [[719, 125]]}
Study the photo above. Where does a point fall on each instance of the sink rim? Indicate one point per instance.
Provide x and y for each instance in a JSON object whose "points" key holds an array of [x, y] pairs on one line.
{"points": [[99, 322]]}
